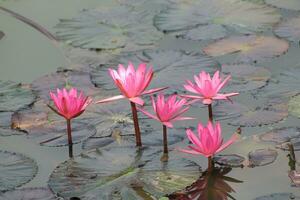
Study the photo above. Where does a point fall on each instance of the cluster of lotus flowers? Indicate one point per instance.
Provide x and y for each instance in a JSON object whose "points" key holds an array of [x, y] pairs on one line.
{"points": [[133, 84]]}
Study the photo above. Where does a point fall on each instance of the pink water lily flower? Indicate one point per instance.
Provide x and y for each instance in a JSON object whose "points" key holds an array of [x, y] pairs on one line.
{"points": [[207, 88], [69, 104], [209, 140], [167, 110], [132, 83]]}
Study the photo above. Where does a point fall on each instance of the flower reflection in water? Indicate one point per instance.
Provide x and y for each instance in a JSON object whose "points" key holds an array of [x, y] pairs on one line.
{"points": [[213, 184]]}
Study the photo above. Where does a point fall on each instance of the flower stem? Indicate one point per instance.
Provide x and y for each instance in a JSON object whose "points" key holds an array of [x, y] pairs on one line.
{"points": [[165, 139], [70, 142], [138, 139], [210, 113], [210, 164]]}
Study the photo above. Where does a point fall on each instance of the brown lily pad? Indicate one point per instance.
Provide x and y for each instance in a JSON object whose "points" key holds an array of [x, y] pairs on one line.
{"points": [[262, 157], [5, 125], [248, 48]]}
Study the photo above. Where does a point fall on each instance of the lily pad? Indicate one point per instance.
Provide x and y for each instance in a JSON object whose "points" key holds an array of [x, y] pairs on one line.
{"points": [[14, 96], [286, 4], [5, 125], [280, 135], [208, 32], [1, 34], [289, 29], [16, 170], [231, 160], [92, 171], [28, 194], [248, 48], [285, 146], [294, 108], [228, 110], [246, 77], [55, 134], [109, 28], [239, 15], [262, 157], [278, 196], [64, 78], [172, 67]]}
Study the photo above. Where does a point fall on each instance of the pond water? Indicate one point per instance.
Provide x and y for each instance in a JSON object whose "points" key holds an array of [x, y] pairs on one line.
{"points": [[255, 41]]}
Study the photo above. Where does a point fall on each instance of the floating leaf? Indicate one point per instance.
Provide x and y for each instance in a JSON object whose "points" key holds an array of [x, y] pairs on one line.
{"points": [[231, 160], [294, 108], [289, 29], [92, 171], [262, 157], [239, 15], [280, 135], [64, 78], [248, 48], [109, 28], [172, 67], [28, 194], [1, 34], [228, 110], [14, 96], [246, 77], [208, 32], [5, 125], [286, 4], [278, 196], [285, 146], [55, 134], [16, 170]]}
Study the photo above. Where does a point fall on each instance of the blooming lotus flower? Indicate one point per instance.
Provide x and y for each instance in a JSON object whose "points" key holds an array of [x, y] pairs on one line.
{"points": [[208, 88], [209, 140], [132, 83], [167, 110], [69, 104]]}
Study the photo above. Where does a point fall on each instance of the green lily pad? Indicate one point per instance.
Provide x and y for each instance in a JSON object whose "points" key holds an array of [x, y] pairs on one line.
{"points": [[262, 157], [172, 67], [28, 194], [246, 77], [93, 171], [205, 32], [289, 29], [64, 78], [248, 48], [280, 135], [16, 170], [294, 108], [14, 96], [230, 160], [228, 110], [5, 125], [1, 34], [239, 15], [109, 28], [278, 196], [286, 4]]}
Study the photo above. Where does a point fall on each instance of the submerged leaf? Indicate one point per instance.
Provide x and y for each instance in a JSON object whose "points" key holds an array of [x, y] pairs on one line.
{"points": [[239, 15], [262, 157], [289, 29], [172, 67], [28, 194], [15, 170], [286, 4], [248, 48], [14, 96]]}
